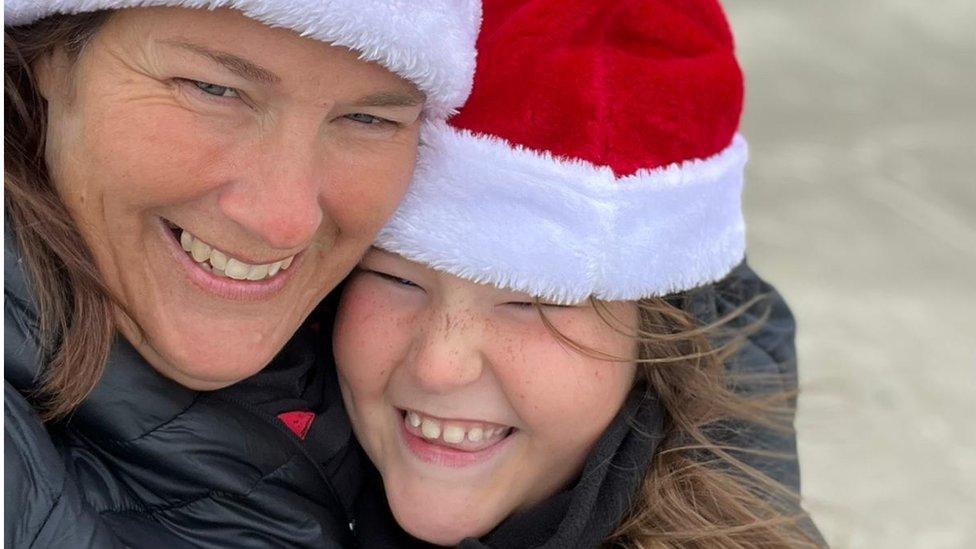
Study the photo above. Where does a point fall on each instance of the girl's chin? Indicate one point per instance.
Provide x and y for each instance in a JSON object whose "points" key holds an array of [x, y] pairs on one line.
{"points": [[439, 519], [442, 532]]}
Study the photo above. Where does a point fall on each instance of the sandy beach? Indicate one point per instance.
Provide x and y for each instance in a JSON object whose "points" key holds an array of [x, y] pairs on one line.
{"points": [[861, 205]]}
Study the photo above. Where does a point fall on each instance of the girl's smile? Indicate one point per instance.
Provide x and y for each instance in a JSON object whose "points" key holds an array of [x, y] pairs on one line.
{"points": [[451, 442]]}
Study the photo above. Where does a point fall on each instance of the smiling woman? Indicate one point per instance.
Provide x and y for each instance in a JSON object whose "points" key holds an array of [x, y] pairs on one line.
{"points": [[194, 181], [273, 168]]}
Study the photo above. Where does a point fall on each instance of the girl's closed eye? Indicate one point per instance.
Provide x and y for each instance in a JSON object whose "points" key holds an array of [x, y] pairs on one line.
{"points": [[533, 303], [391, 278]]}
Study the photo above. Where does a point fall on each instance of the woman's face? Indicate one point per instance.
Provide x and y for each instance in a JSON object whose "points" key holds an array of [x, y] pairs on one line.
{"points": [[226, 175], [466, 403]]}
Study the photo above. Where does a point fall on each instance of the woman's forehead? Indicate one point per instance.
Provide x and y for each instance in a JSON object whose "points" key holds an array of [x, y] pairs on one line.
{"points": [[253, 51]]}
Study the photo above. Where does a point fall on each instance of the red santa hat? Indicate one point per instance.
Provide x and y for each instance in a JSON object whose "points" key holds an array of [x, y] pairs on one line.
{"points": [[428, 42], [598, 154]]}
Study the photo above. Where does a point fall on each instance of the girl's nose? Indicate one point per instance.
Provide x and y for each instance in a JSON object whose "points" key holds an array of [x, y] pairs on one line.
{"points": [[448, 355]]}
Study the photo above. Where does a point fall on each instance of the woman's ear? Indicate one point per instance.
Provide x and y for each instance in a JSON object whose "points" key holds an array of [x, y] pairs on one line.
{"points": [[50, 75]]}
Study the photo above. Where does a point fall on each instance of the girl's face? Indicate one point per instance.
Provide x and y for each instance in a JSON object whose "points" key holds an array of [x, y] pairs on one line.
{"points": [[226, 175], [466, 403]]}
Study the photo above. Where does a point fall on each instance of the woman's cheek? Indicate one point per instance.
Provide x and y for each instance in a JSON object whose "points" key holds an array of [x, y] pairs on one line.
{"points": [[171, 154], [366, 185]]}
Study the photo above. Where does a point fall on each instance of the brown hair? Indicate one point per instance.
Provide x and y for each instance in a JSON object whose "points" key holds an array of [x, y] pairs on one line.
{"points": [[699, 492], [75, 321]]}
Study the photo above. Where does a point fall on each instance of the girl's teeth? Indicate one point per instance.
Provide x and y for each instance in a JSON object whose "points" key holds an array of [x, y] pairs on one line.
{"points": [[430, 429], [221, 264], [453, 434]]}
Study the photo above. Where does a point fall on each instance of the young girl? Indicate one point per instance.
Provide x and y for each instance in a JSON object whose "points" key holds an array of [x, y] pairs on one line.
{"points": [[521, 354]]}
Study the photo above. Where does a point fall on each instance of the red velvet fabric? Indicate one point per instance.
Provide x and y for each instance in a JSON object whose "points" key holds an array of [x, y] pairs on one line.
{"points": [[628, 84]]}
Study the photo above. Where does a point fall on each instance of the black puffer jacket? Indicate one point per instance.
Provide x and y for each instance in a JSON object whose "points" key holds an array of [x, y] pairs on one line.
{"points": [[146, 463]]}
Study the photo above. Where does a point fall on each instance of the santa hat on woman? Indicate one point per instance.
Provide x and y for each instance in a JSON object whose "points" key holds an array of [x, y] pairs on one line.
{"points": [[597, 155], [427, 42]]}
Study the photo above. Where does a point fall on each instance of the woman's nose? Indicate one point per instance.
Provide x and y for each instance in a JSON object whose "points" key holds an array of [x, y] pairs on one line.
{"points": [[276, 194], [448, 355]]}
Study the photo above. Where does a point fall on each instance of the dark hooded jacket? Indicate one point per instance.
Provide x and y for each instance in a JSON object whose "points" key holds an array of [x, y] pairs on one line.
{"points": [[586, 513], [145, 462]]}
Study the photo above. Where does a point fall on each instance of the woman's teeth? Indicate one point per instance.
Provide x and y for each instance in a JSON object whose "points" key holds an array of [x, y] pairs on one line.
{"points": [[451, 432], [221, 264]]}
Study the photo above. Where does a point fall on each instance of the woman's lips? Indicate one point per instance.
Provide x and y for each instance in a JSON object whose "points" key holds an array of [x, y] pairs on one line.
{"points": [[452, 443], [202, 276]]}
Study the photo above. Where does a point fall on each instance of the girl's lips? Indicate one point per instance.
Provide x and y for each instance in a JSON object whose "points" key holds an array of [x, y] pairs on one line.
{"points": [[445, 456], [227, 288]]}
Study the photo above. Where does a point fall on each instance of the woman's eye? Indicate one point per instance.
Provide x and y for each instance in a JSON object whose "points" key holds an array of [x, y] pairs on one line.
{"points": [[216, 90], [367, 119]]}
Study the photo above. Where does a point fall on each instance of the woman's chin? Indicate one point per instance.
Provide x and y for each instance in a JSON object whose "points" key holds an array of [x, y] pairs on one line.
{"points": [[203, 363]]}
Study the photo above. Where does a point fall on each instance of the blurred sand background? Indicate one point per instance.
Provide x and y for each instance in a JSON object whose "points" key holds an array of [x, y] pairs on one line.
{"points": [[861, 205]]}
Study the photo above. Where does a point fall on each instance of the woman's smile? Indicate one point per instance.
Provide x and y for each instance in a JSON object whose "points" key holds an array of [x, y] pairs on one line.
{"points": [[223, 274]]}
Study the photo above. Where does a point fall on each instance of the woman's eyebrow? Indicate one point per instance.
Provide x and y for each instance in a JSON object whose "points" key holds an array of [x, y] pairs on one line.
{"points": [[234, 63], [391, 99]]}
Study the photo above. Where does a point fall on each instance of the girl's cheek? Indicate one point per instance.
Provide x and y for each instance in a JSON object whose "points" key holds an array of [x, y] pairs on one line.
{"points": [[561, 394], [371, 330]]}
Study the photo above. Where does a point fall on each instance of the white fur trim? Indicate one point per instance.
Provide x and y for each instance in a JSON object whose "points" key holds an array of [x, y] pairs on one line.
{"points": [[565, 230], [428, 42]]}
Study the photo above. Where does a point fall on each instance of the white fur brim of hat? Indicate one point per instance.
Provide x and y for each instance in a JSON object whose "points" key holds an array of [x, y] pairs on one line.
{"points": [[565, 230], [431, 43]]}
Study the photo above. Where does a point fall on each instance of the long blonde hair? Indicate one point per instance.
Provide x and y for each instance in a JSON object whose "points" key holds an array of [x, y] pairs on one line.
{"points": [[699, 491]]}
